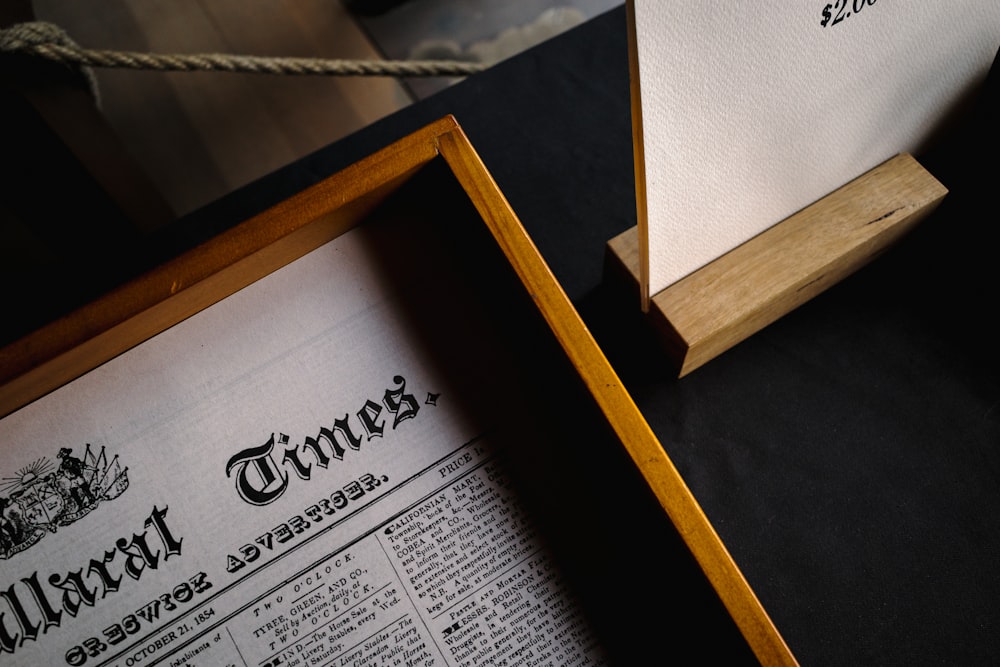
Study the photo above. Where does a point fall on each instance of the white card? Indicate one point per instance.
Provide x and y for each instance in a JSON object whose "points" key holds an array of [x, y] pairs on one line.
{"points": [[746, 113]]}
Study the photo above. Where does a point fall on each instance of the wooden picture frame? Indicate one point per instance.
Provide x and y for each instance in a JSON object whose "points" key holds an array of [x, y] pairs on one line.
{"points": [[70, 347]]}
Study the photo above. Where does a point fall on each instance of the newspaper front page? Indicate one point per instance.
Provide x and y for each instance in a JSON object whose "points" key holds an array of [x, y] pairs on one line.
{"points": [[287, 478]]}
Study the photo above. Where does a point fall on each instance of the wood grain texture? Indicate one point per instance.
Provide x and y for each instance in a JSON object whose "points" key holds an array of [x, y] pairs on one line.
{"points": [[201, 135], [730, 299], [621, 412], [134, 313]]}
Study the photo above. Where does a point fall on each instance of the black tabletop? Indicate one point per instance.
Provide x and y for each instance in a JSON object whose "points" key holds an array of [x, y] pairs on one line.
{"points": [[849, 454]]}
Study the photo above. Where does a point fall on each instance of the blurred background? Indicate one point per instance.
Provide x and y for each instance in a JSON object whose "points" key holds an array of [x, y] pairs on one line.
{"points": [[197, 136]]}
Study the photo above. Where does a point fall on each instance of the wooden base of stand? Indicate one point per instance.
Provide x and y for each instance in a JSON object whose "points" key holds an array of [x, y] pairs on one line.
{"points": [[738, 294]]}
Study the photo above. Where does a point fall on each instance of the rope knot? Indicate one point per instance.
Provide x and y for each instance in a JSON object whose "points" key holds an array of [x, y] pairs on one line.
{"points": [[25, 36], [49, 40]]}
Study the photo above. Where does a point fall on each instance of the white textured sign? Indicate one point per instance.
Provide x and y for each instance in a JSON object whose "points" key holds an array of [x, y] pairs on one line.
{"points": [[745, 113]]}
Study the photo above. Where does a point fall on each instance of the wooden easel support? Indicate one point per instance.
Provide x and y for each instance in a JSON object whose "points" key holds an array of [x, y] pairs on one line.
{"points": [[741, 292]]}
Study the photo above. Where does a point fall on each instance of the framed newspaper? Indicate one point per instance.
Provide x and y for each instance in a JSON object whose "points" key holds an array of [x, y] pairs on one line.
{"points": [[365, 427]]}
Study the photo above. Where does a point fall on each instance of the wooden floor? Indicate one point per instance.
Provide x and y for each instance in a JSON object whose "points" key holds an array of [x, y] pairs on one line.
{"points": [[198, 136], [201, 135]]}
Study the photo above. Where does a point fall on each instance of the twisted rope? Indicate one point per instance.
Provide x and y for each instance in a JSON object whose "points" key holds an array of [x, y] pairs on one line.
{"points": [[47, 40]]}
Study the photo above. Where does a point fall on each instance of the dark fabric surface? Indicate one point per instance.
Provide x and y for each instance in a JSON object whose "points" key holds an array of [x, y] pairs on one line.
{"points": [[848, 454]]}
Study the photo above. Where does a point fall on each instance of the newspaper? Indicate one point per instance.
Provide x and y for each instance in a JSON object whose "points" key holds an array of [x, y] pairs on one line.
{"points": [[287, 478]]}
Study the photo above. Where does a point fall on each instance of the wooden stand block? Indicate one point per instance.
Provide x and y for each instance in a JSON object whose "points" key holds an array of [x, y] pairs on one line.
{"points": [[738, 294]]}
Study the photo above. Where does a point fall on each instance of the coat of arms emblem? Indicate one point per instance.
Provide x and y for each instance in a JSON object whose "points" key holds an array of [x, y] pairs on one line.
{"points": [[45, 495]]}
